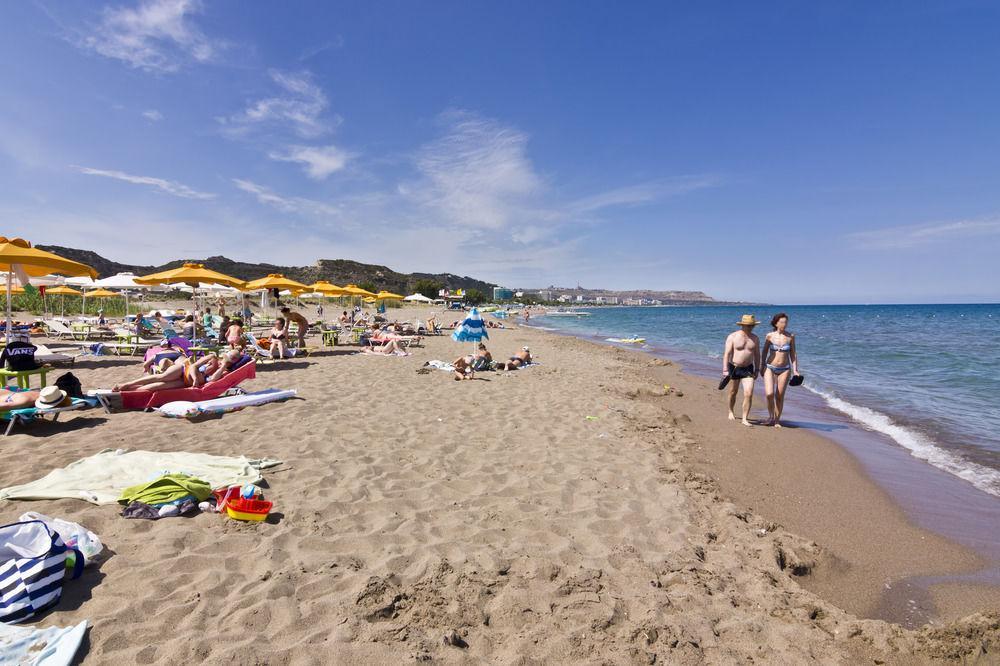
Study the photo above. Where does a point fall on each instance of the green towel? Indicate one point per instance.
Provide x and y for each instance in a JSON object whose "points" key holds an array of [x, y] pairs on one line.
{"points": [[167, 488]]}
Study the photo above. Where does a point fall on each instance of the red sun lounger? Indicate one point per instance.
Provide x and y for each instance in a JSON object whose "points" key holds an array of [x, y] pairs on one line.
{"points": [[151, 399]]}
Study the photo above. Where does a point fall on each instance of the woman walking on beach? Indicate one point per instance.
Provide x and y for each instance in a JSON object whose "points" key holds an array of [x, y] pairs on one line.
{"points": [[779, 363]]}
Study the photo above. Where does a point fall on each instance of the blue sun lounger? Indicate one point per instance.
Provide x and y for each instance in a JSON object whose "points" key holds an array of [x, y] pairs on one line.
{"points": [[27, 414]]}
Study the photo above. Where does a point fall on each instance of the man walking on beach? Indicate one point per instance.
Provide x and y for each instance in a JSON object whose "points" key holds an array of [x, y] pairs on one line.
{"points": [[738, 365]]}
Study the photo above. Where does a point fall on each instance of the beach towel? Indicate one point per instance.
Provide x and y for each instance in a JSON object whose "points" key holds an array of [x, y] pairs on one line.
{"points": [[52, 646], [101, 478], [186, 409], [168, 488], [440, 365]]}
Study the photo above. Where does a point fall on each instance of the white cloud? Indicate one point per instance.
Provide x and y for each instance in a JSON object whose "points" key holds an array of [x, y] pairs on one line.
{"points": [[319, 161], [152, 114], [643, 193], [170, 187], [268, 197], [157, 35], [923, 234], [301, 107], [478, 174]]}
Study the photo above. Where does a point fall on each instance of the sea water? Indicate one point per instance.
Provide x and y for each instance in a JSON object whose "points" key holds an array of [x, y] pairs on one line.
{"points": [[926, 376]]}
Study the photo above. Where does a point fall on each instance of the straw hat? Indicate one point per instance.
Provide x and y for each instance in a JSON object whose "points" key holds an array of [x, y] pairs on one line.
{"points": [[748, 320], [50, 397]]}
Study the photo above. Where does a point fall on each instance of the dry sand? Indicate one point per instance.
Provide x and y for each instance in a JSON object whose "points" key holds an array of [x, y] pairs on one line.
{"points": [[411, 506]]}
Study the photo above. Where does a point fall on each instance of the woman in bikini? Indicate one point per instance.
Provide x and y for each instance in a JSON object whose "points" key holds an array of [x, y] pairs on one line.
{"points": [[190, 373], [779, 363], [279, 339]]}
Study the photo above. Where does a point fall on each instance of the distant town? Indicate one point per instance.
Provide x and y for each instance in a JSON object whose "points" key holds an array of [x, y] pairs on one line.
{"points": [[580, 296]]}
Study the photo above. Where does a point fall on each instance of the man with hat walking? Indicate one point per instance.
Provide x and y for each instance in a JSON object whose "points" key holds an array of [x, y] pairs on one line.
{"points": [[738, 367]]}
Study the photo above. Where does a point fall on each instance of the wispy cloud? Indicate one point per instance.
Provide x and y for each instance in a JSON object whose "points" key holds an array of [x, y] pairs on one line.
{"points": [[153, 115], [268, 197], [923, 234], [643, 193], [300, 107], [335, 43], [319, 161], [168, 186], [478, 174], [157, 35]]}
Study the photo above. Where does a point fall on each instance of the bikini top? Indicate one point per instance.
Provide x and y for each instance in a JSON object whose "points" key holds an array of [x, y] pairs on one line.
{"points": [[783, 348]]}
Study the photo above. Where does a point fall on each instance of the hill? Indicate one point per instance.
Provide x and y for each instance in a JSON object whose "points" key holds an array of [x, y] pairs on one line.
{"points": [[337, 271]]}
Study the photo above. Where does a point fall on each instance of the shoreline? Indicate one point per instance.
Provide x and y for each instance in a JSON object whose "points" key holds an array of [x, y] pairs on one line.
{"points": [[961, 573], [553, 514]]}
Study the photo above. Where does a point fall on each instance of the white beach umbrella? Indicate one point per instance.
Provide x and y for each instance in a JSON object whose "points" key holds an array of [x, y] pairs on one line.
{"points": [[418, 298]]}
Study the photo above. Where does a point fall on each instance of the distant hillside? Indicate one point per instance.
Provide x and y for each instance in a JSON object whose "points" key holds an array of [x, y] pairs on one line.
{"points": [[337, 271]]}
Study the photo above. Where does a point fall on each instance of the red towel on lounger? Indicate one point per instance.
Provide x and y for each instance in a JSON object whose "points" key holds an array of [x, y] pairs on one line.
{"points": [[150, 399]]}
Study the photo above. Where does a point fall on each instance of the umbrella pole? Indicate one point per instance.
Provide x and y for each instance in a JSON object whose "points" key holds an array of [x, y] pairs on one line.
{"points": [[10, 283]]}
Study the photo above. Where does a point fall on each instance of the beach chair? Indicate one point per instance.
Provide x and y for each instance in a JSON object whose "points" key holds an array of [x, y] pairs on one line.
{"points": [[46, 356], [150, 399], [26, 415], [57, 329]]}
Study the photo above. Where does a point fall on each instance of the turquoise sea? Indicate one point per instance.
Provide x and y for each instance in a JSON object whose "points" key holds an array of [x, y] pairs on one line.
{"points": [[925, 376]]}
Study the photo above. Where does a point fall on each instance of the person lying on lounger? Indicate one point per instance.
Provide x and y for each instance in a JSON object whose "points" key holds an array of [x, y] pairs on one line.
{"points": [[519, 360], [388, 348], [190, 373], [21, 399]]}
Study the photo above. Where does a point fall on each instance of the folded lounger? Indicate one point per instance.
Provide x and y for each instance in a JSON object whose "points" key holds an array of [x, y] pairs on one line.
{"points": [[151, 399], [26, 414]]}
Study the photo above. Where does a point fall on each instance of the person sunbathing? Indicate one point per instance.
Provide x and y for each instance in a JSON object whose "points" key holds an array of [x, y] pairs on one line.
{"points": [[21, 399], [519, 360], [466, 366], [191, 373], [388, 348]]}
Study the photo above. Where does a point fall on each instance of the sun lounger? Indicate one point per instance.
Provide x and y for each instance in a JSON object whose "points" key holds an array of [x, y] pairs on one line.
{"points": [[57, 329], [151, 399], [29, 414], [254, 349]]}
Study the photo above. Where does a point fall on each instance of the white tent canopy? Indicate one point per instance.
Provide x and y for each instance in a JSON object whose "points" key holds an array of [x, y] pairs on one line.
{"points": [[418, 298], [80, 282], [120, 281]]}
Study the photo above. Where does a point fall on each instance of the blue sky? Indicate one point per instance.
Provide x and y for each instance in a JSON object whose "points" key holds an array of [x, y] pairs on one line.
{"points": [[787, 152]]}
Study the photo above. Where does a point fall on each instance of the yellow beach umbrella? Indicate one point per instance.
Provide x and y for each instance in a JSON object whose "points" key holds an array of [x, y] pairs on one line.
{"points": [[355, 290], [327, 289], [103, 293], [276, 281], [192, 275], [64, 291], [388, 296], [370, 299], [17, 257], [14, 289]]}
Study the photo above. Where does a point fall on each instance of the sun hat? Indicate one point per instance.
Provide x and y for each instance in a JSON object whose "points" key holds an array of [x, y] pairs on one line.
{"points": [[748, 320], [525, 349], [50, 397]]}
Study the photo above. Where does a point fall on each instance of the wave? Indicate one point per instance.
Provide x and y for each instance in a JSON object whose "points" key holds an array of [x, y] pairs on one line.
{"points": [[919, 445]]}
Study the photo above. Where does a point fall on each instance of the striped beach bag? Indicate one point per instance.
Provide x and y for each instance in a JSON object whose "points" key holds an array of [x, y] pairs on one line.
{"points": [[32, 568]]}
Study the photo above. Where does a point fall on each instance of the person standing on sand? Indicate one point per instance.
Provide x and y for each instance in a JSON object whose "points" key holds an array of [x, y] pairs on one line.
{"points": [[301, 323], [739, 365], [777, 358]]}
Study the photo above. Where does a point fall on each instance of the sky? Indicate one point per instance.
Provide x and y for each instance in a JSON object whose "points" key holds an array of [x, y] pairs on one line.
{"points": [[780, 152]]}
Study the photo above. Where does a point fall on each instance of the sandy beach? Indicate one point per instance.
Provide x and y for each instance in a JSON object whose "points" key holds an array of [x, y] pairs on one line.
{"points": [[578, 511]]}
